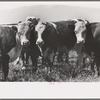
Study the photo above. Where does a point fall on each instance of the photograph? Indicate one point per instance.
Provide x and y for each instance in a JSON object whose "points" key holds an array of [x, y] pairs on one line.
{"points": [[49, 49], [49, 41]]}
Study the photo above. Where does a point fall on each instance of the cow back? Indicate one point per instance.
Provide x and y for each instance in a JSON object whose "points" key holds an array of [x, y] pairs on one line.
{"points": [[50, 36], [7, 39], [66, 33]]}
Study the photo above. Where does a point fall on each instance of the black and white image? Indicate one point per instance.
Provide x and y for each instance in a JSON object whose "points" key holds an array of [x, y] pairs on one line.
{"points": [[50, 41]]}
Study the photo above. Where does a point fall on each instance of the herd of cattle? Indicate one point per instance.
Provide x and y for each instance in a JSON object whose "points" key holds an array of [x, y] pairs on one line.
{"points": [[36, 38]]}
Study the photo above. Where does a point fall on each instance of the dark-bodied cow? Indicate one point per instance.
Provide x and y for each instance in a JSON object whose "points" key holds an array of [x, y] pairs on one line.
{"points": [[11, 41], [54, 35], [33, 50], [92, 43]]}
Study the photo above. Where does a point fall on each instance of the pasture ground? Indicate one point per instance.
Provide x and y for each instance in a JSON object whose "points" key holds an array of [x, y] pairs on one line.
{"points": [[70, 69], [61, 72]]}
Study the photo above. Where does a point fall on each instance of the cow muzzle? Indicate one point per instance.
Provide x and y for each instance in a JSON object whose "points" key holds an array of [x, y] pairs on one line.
{"points": [[76, 31], [80, 41], [80, 38], [40, 43], [25, 42]]}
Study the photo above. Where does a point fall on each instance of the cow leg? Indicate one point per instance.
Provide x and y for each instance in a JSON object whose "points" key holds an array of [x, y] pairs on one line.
{"points": [[59, 58], [34, 63], [97, 59], [52, 57], [46, 55], [23, 58], [5, 66], [92, 63], [92, 67], [1, 73], [27, 58], [34, 57]]}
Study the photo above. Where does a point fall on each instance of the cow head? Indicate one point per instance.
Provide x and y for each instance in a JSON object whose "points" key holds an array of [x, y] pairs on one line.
{"points": [[24, 29], [34, 20], [80, 30], [40, 27]]}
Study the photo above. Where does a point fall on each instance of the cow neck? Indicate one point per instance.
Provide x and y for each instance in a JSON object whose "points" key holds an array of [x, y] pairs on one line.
{"points": [[18, 43], [16, 51]]}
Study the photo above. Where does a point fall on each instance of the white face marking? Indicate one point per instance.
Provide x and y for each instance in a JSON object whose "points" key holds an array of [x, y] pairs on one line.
{"points": [[79, 30], [79, 38], [40, 27], [23, 40], [23, 29]]}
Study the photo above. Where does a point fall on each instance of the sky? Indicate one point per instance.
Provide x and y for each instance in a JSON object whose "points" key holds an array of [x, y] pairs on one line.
{"points": [[15, 4], [37, 90], [14, 11]]}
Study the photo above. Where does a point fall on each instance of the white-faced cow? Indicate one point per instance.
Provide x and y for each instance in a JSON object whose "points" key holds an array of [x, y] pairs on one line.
{"points": [[53, 35], [11, 41], [32, 50]]}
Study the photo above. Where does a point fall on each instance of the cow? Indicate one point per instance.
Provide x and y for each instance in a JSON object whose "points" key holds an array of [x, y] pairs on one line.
{"points": [[11, 41], [54, 35], [32, 50], [92, 44]]}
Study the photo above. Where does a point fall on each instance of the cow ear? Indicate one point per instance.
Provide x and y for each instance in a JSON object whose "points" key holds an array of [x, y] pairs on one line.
{"points": [[86, 22], [44, 23], [38, 19], [15, 29], [48, 25], [19, 21]]}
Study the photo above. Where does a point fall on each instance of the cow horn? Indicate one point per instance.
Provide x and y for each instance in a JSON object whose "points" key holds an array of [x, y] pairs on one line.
{"points": [[75, 20], [19, 21], [86, 21], [38, 19], [45, 23]]}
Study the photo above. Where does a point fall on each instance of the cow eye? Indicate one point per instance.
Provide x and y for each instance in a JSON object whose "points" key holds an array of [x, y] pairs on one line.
{"points": [[19, 34], [80, 26], [40, 27]]}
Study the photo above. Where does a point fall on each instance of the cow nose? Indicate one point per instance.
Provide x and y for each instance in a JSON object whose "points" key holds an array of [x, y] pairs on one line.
{"points": [[39, 42], [76, 31], [82, 41], [26, 43], [78, 41]]}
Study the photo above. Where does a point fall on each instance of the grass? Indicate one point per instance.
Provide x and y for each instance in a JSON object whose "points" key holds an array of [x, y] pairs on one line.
{"points": [[61, 72]]}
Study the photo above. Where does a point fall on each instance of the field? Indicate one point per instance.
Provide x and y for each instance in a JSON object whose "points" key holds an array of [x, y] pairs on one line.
{"points": [[75, 67], [70, 71]]}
